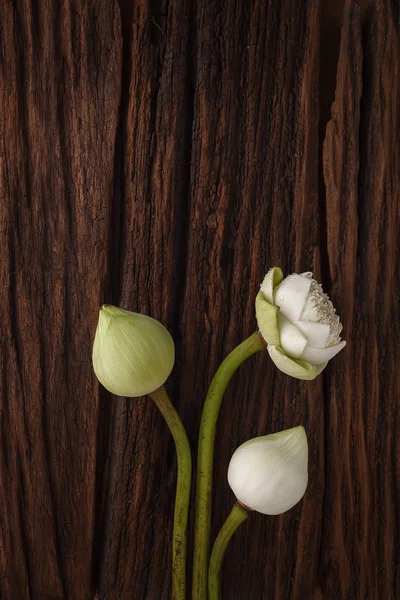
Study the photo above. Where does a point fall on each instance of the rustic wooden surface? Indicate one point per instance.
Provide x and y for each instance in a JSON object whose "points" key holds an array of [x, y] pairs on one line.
{"points": [[162, 156]]}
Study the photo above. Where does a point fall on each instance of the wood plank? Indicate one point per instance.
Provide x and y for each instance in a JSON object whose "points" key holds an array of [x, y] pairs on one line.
{"points": [[359, 553], [59, 94], [254, 204], [154, 150], [162, 156]]}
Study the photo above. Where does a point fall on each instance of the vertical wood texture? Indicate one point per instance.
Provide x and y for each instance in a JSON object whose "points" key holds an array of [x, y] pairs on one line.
{"points": [[162, 155], [59, 95], [360, 551]]}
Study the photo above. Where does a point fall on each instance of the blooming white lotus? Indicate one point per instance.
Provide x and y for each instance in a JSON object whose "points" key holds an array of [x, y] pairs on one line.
{"points": [[133, 354], [298, 322], [269, 474]]}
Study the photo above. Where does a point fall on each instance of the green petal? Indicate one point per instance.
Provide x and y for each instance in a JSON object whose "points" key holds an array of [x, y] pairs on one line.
{"points": [[267, 319], [271, 280], [295, 367]]}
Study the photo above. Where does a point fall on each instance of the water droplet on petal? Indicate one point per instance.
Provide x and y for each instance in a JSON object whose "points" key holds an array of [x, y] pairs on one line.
{"points": [[281, 297], [298, 290]]}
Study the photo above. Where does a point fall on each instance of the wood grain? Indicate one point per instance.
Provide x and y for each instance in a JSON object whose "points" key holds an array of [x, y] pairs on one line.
{"points": [[360, 552], [162, 156], [59, 96], [154, 149], [254, 184]]}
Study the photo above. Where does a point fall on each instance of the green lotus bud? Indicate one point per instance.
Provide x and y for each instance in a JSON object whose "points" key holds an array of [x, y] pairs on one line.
{"points": [[269, 474], [133, 354], [298, 322]]}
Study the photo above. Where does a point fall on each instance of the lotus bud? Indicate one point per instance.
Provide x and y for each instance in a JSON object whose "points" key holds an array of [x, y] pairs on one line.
{"points": [[133, 354], [269, 474], [298, 322]]}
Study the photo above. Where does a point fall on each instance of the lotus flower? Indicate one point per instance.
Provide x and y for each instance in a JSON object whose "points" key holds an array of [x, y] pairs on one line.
{"points": [[269, 474], [133, 354], [298, 322]]}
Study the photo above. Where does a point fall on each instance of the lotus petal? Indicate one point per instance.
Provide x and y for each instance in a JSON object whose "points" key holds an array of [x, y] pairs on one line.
{"points": [[300, 369], [317, 334], [316, 356], [291, 295]]}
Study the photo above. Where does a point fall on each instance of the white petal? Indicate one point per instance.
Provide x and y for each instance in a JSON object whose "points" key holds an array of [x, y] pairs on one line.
{"points": [[316, 333], [269, 473], [291, 295], [292, 340], [307, 274], [316, 356]]}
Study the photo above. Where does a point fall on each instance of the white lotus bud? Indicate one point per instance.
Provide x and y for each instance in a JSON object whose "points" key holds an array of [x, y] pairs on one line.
{"points": [[298, 322], [269, 474], [133, 354]]}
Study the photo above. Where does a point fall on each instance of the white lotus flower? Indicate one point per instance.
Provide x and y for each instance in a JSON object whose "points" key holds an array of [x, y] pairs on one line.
{"points": [[133, 354], [269, 474], [298, 322]]}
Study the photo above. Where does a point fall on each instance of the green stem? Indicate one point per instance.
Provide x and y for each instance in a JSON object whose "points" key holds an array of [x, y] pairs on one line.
{"points": [[182, 498], [205, 456], [237, 516]]}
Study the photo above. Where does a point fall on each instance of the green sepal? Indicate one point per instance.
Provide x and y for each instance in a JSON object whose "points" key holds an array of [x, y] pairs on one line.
{"points": [[295, 367], [267, 319], [271, 280]]}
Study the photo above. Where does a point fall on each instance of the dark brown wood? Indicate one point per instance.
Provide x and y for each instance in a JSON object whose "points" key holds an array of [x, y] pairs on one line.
{"points": [[162, 156], [360, 550], [254, 187], [60, 71]]}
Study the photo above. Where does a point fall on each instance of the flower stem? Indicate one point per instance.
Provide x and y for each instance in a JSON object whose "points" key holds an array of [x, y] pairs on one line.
{"points": [[205, 456], [237, 516], [184, 467]]}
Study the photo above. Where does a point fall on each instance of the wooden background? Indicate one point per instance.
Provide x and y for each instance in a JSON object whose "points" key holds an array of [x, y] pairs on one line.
{"points": [[162, 155]]}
